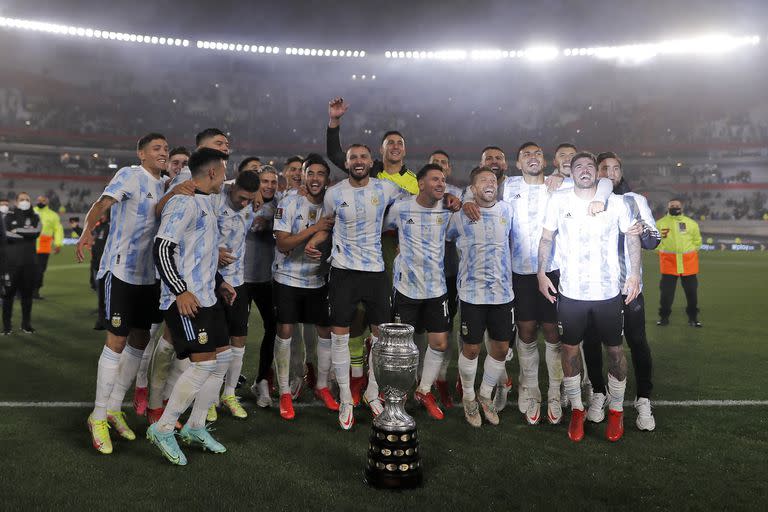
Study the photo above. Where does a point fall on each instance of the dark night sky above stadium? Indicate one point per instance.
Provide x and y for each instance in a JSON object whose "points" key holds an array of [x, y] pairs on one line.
{"points": [[406, 24]]}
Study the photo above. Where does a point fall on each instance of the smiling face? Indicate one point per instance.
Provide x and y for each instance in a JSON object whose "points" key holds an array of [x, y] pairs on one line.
{"points": [[432, 186], [496, 160], [154, 156], [443, 161], [176, 164], [292, 173], [611, 168], [530, 160], [584, 172], [563, 158], [316, 179], [484, 187], [393, 149], [267, 184], [359, 162]]}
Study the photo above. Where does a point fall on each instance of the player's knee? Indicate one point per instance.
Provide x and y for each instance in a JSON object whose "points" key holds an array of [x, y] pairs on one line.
{"points": [[471, 351], [526, 331], [551, 334]]}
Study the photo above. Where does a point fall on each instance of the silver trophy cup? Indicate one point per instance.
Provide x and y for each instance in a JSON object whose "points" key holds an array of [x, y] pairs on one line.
{"points": [[393, 451]]}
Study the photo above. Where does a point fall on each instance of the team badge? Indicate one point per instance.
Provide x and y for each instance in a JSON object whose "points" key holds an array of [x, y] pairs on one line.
{"points": [[313, 215], [116, 321], [202, 337], [503, 220], [375, 201], [279, 214], [440, 220]]}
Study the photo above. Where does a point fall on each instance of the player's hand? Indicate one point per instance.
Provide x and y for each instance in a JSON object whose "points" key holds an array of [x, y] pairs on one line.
{"points": [[302, 190], [325, 223], [85, 240], [452, 202], [636, 229], [471, 210], [596, 207], [313, 252], [225, 257], [631, 288], [57, 249], [185, 188], [257, 202], [187, 304], [337, 107], [553, 182], [546, 288], [227, 292], [259, 223]]}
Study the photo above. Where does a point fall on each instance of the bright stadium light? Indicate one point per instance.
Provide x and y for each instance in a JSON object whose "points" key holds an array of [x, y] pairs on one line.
{"points": [[541, 53]]}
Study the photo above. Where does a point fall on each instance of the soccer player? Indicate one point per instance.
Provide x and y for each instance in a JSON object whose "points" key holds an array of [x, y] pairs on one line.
{"points": [[300, 283], [485, 292], [178, 159], [563, 155], [679, 257], [451, 272], [131, 290], [421, 297], [251, 163], [357, 267], [259, 255], [292, 172], [589, 290], [609, 165], [185, 254], [234, 216]]}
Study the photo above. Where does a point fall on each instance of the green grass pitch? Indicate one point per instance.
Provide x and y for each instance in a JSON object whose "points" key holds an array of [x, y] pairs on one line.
{"points": [[698, 457]]}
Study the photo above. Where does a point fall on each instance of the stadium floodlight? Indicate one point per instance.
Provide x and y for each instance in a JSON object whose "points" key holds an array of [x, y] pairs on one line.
{"points": [[541, 53]]}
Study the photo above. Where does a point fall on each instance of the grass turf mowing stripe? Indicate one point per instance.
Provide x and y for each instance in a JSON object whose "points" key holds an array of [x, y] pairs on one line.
{"points": [[300, 405]]}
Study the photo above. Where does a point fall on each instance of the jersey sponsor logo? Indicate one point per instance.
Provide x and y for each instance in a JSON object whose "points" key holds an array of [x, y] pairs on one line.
{"points": [[203, 214], [299, 217], [116, 321], [517, 196], [202, 337], [224, 212], [279, 214], [568, 215], [343, 204], [409, 221], [149, 195]]}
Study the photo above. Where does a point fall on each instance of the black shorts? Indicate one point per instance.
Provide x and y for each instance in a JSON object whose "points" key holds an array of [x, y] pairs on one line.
{"points": [[530, 304], [346, 288], [453, 299], [606, 317], [129, 306], [237, 314], [497, 319], [295, 305], [423, 314], [204, 333]]}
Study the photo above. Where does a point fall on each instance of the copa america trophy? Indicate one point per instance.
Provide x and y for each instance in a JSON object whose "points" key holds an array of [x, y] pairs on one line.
{"points": [[393, 450]]}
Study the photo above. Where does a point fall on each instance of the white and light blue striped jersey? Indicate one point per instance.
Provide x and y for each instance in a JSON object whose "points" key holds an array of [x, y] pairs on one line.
{"points": [[418, 268], [359, 216], [454, 190], [233, 226], [529, 203], [639, 211], [260, 245], [294, 214], [485, 257], [587, 246], [184, 175], [190, 223], [128, 250]]}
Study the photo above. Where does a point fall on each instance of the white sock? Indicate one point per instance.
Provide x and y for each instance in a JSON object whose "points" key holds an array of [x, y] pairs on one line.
{"points": [[528, 354], [106, 375], [467, 372], [492, 369], [340, 361], [185, 390], [130, 360], [310, 344], [357, 371], [433, 360], [572, 387], [372, 391], [443, 373], [323, 361], [235, 367], [146, 356], [283, 363], [296, 352], [178, 367], [554, 368], [209, 392], [616, 389], [162, 360]]}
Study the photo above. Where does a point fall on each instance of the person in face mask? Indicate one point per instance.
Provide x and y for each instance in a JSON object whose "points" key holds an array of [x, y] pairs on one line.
{"points": [[22, 226], [50, 240], [4, 207], [678, 256]]}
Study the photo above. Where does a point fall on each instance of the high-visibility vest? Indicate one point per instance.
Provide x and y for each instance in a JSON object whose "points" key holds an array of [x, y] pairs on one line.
{"points": [[679, 247]]}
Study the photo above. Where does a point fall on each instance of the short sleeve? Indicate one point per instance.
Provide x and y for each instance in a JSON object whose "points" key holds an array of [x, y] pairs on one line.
{"points": [[550, 218], [626, 218], [286, 210], [452, 233], [178, 213], [394, 193], [329, 208], [390, 220], [123, 185]]}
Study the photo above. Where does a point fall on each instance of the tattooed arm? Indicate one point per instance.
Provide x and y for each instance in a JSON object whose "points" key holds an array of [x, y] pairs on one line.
{"points": [[632, 286], [545, 258]]}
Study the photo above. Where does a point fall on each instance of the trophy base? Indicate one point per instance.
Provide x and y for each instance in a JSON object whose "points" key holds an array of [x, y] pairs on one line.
{"points": [[394, 461]]}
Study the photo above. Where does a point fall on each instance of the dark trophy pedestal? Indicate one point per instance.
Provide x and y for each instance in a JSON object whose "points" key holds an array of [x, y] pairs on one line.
{"points": [[393, 460]]}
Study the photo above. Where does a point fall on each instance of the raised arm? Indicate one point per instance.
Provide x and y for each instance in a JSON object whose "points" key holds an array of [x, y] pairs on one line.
{"points": [[336, 109]]}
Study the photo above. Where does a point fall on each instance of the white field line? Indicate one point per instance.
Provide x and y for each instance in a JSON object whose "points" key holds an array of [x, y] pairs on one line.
{"points": [[655, 403]]}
